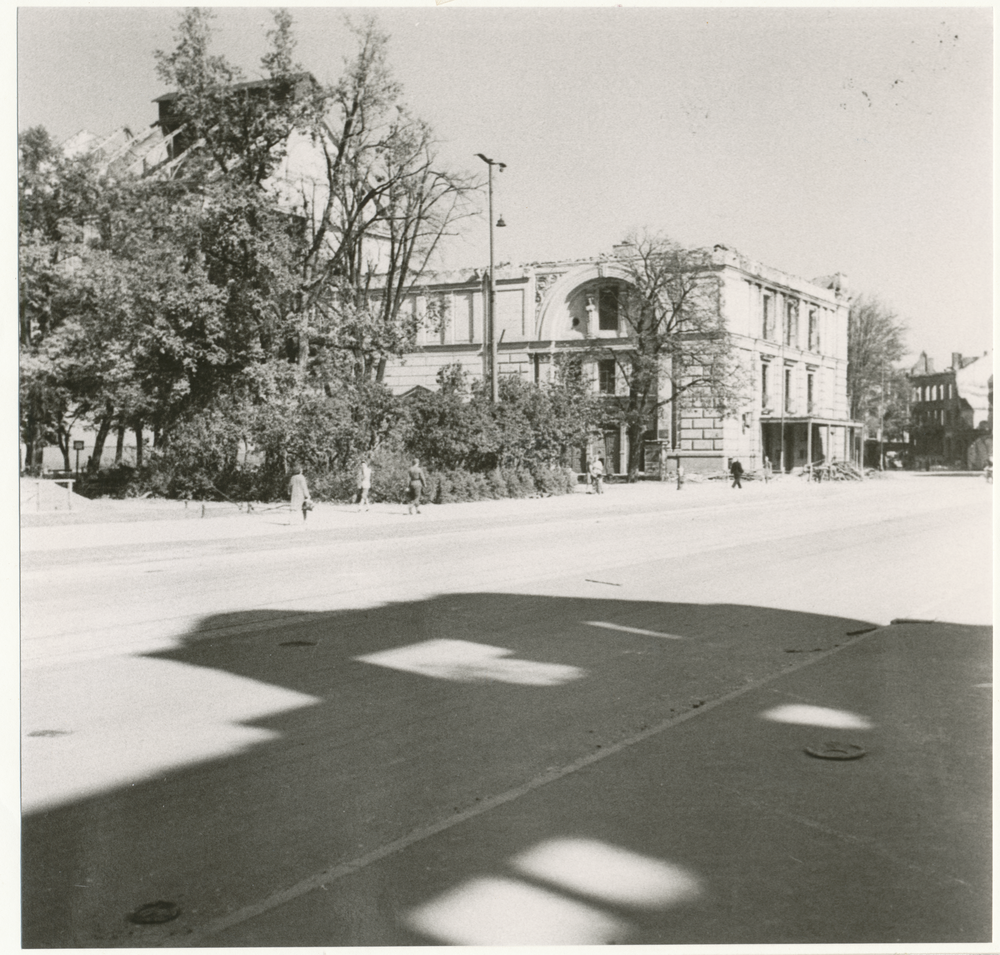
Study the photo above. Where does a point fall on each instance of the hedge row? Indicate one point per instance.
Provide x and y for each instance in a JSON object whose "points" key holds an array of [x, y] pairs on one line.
{"points": [[390, 480], [449, 487]]}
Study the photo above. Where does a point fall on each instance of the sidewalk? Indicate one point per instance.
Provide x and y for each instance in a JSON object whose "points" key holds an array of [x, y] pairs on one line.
{"points": [[109, 523], [714, 828]]}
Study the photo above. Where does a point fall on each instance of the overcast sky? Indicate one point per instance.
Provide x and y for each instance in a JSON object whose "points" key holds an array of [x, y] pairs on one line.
{"points": [[850, 139]]}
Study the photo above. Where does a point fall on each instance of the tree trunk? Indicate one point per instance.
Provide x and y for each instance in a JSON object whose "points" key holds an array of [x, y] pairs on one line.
{"points": [[635, 431], [120, 445], [62, 436], [103, 430], [138, 445], [29, 455]]}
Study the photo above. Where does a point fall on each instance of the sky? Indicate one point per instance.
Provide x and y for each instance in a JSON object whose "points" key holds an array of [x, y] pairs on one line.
{"points": [[845, 139]]}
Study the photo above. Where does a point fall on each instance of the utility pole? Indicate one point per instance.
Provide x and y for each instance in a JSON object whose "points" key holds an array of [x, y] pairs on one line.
{"points": [[881, 420], [490, 343]]}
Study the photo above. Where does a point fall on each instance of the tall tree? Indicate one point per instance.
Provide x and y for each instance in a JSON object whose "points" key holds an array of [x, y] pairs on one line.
{"points": [[678, 349], [876, 337], [388, 202], [57, 199]]}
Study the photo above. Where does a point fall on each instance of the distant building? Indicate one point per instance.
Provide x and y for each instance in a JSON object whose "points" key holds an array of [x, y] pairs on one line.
{"points": [[951, 411], [790, 335]]}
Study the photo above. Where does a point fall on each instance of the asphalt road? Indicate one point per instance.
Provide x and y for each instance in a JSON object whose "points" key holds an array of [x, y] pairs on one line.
{"points": [[578, 720]]}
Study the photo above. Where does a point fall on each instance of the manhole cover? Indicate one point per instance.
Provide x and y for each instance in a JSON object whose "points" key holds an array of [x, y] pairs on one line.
{"points": [[835, 751], [298, 643], [154, 913]]}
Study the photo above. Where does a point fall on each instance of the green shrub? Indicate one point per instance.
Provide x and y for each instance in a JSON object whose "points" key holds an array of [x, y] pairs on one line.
{"points": [[551, 481], [479, 488], [497, 484], [519, 482]]}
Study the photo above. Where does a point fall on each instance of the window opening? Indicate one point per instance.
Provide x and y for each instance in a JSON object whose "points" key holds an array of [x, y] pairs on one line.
{"points": [[606, 376], [791, 322], [608, 306]]}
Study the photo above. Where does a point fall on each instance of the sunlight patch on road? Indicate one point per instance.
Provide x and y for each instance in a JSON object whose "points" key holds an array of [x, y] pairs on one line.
{"points": [[548, 910], [496, 911], [805, 715], [638, 630], [609, 873], [465, 662], [127, 719]]}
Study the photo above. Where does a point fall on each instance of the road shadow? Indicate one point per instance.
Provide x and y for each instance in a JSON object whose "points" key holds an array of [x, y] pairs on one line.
{"points": [[405, 716]]}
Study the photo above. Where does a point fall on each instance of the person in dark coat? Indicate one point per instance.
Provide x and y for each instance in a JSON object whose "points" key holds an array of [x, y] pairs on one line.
{"points": [[736, 470], [415, 488]]}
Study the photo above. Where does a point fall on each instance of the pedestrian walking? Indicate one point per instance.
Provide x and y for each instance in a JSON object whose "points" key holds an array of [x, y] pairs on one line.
{"points": [[736, 470], [298, 490], [364, 484], [415, 488], [680, 475], [767, 470], [597, 475]]}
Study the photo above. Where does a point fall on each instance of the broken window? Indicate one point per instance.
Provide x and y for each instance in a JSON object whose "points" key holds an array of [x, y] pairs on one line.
{"points": [[608, 304], [767, 316], [606, 376], [813, 330], [791, 322]]}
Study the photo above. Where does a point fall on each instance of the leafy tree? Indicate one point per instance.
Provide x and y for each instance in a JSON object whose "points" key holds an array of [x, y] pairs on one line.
{"points": [[447, 429], [540, 424], [57, 196], [242, 129], [876, 337], [679, 349], [237, 133], [219, 283]]}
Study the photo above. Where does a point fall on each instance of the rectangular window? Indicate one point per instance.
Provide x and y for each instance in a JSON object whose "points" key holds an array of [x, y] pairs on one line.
{"points": [[461, 316], [788, 391], [606, 376], [791, 322], [765, 397], [608, 306], [810, 393], [813, 330], [767, 316]]}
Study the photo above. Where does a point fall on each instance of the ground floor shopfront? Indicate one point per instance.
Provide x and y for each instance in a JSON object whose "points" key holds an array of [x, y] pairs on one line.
{"points": [[786, 445], [798, 442]]}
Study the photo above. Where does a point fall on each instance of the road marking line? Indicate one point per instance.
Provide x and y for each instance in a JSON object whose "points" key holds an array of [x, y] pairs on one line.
{"points": [[322, 879], [638, 630]]}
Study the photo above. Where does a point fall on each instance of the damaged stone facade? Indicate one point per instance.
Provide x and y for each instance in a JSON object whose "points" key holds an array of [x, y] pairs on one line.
{"points": [[951, 412], [790, 336]]}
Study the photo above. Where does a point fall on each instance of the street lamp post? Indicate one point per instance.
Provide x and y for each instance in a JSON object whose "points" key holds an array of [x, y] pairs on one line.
{"points": [[491, 338]]}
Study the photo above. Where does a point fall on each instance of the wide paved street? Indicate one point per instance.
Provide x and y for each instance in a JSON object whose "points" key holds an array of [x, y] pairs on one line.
{"points": [[574, 720]]}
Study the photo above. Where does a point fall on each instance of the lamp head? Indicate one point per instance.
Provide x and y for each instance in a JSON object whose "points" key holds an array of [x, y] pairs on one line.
{"points": [[501, 224]]}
